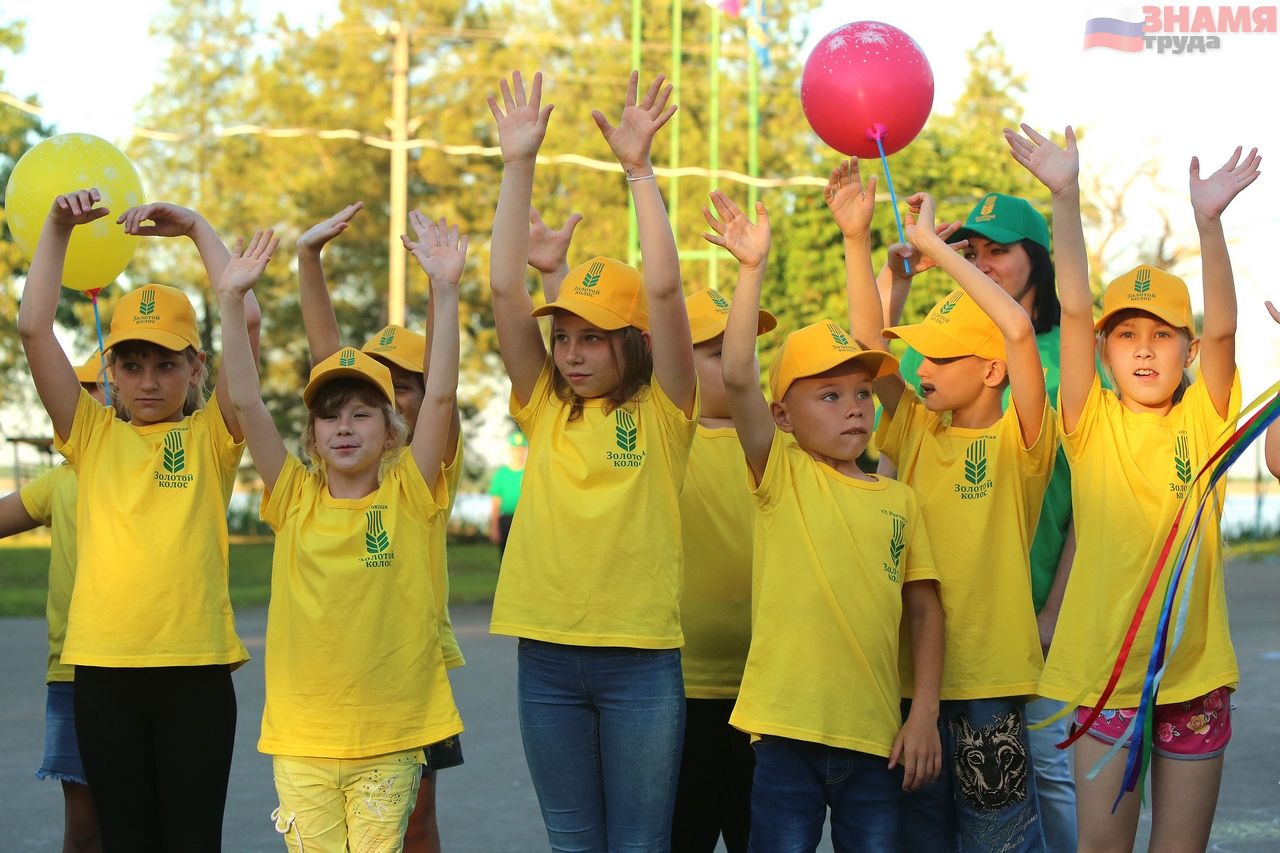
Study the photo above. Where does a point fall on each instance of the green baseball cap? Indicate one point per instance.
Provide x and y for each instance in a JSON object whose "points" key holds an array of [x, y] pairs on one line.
{"points": [[1004, 219]]}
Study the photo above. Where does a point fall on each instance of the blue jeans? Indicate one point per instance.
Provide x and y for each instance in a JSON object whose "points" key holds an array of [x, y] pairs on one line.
{"points": [[602, 729], [1055, 785], [795, 782], [985, 799]]}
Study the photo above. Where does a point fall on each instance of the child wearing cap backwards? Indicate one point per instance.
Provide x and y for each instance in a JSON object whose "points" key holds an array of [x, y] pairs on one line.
{"points": [[1143, 442], [403, 351], [150, 629], [356, 680], [590, 582], [983, 471], [840, 561], [714, 793], [50, 500]]}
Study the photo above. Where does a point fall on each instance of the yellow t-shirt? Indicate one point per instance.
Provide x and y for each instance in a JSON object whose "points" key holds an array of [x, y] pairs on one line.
{"points": [[51, 500], [353, 658], [1129, 473], [830, 557], [715, 608], [151, 555], [440, 564], [980, 491], [594, 557]]}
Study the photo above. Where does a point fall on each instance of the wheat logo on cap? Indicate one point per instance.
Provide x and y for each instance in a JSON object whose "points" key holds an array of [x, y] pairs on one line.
{"points": [[349, 362], [147, 306], [1152, 290], [837, 334], [388, 335], [592, 277], [719, 301], [709, 314], [157, 314], [954, 327], [606, 293], [347, 358], [988, 206]]}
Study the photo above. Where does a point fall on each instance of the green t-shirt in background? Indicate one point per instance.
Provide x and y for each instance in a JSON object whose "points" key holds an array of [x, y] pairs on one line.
{"points": [[505, 486]]}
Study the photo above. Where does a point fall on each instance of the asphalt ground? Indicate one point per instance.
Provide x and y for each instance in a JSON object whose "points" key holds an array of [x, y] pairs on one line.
{"points": [[488, 805]]}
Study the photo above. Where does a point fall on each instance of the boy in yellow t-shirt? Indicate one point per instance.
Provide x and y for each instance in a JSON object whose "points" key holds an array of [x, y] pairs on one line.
{"points": [[713, 796], [981, 474], [356, 680], [840, 561]]}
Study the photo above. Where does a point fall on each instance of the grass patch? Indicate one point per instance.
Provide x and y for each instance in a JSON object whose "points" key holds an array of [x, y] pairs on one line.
{"points": [[473, 574]]}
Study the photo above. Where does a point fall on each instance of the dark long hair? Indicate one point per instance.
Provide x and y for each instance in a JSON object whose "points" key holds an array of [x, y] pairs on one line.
{"points": [[636, 369], [1046, 311]]}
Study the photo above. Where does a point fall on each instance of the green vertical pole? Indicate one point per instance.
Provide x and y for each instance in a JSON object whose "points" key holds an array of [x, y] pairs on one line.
{"points": [[677, 53], [713, 139], [753, 112], [637, 31]]}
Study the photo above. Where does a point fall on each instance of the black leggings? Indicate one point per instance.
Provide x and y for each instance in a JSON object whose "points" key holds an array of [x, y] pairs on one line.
{"points": [[156, 744], [714, 792]]}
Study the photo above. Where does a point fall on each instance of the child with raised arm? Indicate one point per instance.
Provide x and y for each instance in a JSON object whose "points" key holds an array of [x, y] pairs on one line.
{"points": [[1133, 454], [590, 581], [356, 681], [150, 629], [403, 352], [982, 471], [841, 560]]}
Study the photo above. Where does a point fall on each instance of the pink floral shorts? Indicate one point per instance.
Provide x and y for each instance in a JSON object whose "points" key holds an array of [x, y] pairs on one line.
{"points": [[1198, 728]]}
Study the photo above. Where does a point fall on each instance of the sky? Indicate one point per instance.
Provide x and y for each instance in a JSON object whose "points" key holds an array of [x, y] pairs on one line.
{"points": [[1135, 107]]}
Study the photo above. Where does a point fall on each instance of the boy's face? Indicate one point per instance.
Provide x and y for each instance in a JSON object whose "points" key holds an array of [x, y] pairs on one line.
{"points": [[1146, 357], [713, 402], [831, 414], [153, 383], [951, 384], [410, 388]]}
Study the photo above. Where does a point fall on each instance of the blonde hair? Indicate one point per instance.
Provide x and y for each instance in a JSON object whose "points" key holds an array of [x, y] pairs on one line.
{"points": [[332, 396], [196, 394]]}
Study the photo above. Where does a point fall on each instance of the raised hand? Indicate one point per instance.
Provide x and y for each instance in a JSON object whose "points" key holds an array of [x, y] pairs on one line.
{"points": [[641, 119], [852, 203], [1275, 312], [747, 242], [1210, 196], [77, 208], [522, 120], [920, 229], [170, 220], [1057, 168], [247, 265], [548, 247], [440, 251], [315, 237], [900, 254]]}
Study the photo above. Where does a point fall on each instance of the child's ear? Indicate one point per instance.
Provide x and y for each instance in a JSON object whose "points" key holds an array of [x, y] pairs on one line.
{"points": [[781, 416], [648, 341], [198, 367], [1193, 350], [997, 373]]}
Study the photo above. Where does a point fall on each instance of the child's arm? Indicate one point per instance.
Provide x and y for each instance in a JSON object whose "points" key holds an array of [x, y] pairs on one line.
{"points": [[894, 279], [1047, 618], [1209, 198], [549, 251], [852, 206], [917, 744], [1059, 170], [240, 361], [14, 517], [442, 254], [55, 378], [1022, 355], [749, 244], [419, 222], [522, 124], [1273, 431], [671, 343], [323, 337]]}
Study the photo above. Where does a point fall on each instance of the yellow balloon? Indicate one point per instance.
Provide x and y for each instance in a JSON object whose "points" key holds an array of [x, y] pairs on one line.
{"points": [[61, 164]]}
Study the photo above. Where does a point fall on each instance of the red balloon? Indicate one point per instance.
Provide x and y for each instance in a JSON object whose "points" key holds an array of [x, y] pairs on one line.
{"points": [[864, 79]]}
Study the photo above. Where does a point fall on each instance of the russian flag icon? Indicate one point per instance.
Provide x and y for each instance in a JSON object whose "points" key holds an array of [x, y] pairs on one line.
{"points": [[1115, 27]]}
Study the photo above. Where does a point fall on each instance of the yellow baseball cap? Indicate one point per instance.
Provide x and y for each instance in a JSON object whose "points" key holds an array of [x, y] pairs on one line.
{"points": [[1154, 291], [155, 313], [90, 373], [954, 327], [709, 312], [818, 348], [606, 293], [349, 362], [398, 345]]}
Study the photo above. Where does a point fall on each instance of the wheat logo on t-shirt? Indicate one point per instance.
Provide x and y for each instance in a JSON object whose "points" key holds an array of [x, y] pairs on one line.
{"points": [[1181, 464], [377, 542], [897, 544], [173, 462], [976, 483], [626, 436]]}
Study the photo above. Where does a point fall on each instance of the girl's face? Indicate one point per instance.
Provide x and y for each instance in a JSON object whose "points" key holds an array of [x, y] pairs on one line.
{"points": [[1007, 264], [706, 359], [1146, 357], [153, 383], [589, 358], [353, 438]]}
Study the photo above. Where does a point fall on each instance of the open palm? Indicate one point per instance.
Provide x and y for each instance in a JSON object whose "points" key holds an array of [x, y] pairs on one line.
{"points": [[440, 251], [632, 138], [747, 242], [246, 267], [1210, 196], [522, 120], [1056, 167], [851, 203]]}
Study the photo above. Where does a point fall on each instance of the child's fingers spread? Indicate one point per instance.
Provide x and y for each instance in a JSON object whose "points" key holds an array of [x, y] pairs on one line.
{"points": [[712, 221], [463, 242], [535, 93], [517, 89], [714, 238], [493, 107], [1034, 135], [667, 114], [633, 86], [762, 215], [602, 122], [508, 103]]}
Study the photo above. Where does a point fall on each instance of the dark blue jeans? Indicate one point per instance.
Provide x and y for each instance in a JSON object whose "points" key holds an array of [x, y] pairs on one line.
{"points": [[795, 783], [985, 799], [602, 729]]}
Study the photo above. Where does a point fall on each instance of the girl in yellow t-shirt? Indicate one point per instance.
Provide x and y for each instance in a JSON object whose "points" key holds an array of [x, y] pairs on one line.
{"points": [[150, 629], [590, 580], [356, 679], [1133, 455]]}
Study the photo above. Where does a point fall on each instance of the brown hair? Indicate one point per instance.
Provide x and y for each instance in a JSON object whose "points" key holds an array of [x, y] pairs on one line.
{"points": [[636, 370], [135, 349], [332, 396], [1114, 320]]}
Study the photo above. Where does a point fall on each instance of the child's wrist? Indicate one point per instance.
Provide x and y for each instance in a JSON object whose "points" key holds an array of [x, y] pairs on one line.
{"points": [[638, 170]]}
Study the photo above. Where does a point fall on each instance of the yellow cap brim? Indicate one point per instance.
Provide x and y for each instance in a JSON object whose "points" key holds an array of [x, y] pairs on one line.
{"points": [[318, 382], [714, 326], [601, 318], [932, 342], [1155, 310], [159, 337], [90, 374], [877, 362], [396, 359]]}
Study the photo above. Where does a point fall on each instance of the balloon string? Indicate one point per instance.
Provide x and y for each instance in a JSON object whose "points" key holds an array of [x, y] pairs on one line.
{"points": [[102, 374], [893, 197]]}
